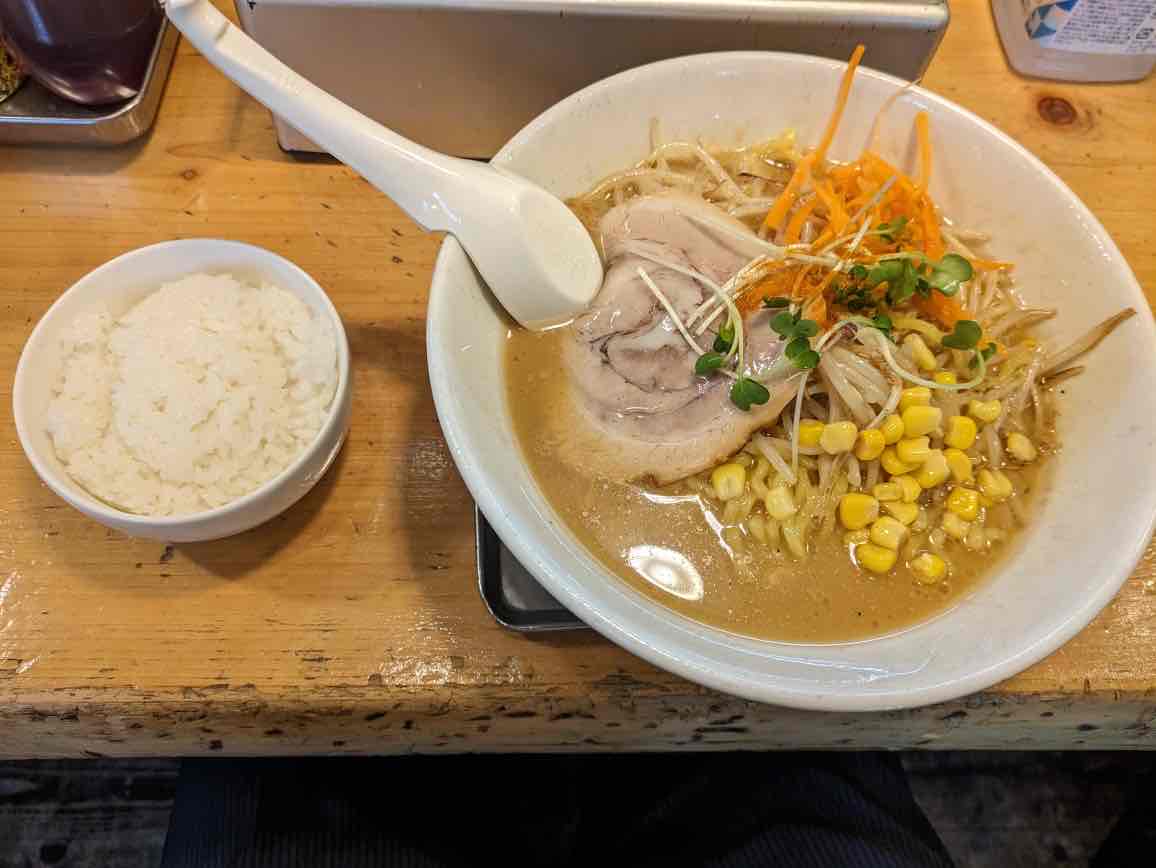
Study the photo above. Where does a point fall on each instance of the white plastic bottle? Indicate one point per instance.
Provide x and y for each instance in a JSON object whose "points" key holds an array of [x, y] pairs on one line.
{"points": [[1079, 40]]}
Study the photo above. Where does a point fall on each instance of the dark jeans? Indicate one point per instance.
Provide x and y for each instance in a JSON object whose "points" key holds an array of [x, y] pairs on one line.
{"points": [[723, 810]]}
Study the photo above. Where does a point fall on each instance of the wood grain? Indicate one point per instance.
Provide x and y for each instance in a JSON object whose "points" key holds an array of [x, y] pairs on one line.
{"points": [[352, 623]]}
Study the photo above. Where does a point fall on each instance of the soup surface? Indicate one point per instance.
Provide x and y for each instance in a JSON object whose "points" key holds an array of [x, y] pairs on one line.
{"points": [[668, 543]]}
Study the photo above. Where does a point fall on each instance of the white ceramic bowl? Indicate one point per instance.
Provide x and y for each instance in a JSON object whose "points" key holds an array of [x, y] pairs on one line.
{"points": [[1088, 535], [119, 284]]}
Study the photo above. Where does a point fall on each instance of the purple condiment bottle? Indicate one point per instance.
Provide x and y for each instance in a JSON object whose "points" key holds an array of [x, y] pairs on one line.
{"points": [[88, 51]]}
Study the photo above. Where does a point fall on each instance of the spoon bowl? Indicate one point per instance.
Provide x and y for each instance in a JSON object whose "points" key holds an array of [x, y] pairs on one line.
{"points": [[534, 254]]}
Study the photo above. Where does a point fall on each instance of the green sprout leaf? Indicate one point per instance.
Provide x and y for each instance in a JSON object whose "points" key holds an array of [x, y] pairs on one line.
{"points": [[883, 323], [987, 352], [797, 347], [949, 273], [784, 324], [900, 277], [776, 302], [806, 360], [858, 272], [725, 338], [798, 333], [806, 328], [708, 363], [885, 271], [746, 392], [965, 336]]}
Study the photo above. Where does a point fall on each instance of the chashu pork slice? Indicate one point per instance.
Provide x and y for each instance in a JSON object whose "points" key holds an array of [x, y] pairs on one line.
{"points": [[631, 368]]}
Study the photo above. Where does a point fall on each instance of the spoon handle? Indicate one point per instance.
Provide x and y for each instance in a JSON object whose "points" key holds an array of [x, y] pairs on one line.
{"points": [[419, 180]]}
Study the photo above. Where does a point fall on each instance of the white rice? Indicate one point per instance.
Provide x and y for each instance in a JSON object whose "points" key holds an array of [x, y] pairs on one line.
{"points": [[197, 396]]}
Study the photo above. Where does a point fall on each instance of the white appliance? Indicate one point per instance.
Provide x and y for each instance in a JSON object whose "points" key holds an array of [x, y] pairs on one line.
{"points": [[462, 76]]}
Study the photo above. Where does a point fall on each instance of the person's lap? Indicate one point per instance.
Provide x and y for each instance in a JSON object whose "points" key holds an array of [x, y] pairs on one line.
{"points": [[698, 809]]}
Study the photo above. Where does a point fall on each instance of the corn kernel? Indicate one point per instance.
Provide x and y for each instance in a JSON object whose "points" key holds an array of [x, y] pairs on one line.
{"points": [[959, 464], [928, 568], [810, 430], [913, 450], [911, 489], [1021, 448], [915, 396], [856, 537], [780, 503], [923, 357], [964, 502], [892, 429], [904, 512], [729, 480], [838, 437], [892, 464], [995, 484], [945, 378], [870, 444], [875, 558], [757, 526], [888, 532], [919, 420], [886, 491], [954, 526], [934, 470], [857, 510], [984, 411], [960, 432], [976, 539]]}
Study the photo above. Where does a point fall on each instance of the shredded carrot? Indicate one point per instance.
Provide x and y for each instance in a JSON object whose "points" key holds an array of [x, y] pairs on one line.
{"points": [[876, 168], [840, 103], [816, 309], [803, 272], [795, 225], [827, 280], [825, 237], [879, 170], [923, 133], [991, 264], [843, 189], [932, 241], [844, 174], [836, 216], [778, 282], [942, 308], [790, 193]]}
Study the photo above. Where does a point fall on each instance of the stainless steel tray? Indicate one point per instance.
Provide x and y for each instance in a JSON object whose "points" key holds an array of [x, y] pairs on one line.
{"points": [[512, 595], [34, 115], [462, 76]]}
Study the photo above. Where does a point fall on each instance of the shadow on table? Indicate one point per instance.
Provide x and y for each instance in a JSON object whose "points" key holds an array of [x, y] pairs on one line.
{"points": [[149, 567], [236, 556]]}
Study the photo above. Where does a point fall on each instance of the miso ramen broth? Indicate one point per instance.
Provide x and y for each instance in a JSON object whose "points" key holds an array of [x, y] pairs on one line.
{"points": [[667, 542]]}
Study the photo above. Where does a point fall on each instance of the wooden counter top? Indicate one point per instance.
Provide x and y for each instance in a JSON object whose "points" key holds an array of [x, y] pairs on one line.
{"points": [[353, 624]]}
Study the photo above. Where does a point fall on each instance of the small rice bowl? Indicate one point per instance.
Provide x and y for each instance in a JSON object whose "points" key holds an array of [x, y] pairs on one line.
{"points": [[199, 394]]}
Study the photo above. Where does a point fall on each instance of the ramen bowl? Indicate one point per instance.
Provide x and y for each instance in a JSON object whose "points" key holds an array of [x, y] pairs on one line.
{"points": [[1088, 532]]}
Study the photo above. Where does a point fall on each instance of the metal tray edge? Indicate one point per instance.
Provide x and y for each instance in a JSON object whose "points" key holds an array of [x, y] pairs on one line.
{"points": [[489, 587], [124, 123]]}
